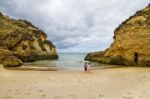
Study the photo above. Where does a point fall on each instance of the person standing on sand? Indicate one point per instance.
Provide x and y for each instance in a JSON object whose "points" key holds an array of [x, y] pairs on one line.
{"points": [[86, 67]]}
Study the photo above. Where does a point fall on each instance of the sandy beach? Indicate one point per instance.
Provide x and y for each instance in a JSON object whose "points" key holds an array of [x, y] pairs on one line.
{"points": [[113, 83]]}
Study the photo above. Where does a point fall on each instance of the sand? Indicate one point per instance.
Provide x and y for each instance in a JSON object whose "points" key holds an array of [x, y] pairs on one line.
{"points": [[113, 83]]}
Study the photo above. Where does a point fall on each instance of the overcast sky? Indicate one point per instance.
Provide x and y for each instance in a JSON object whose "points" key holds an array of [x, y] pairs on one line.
{"points": [[75, 25]]}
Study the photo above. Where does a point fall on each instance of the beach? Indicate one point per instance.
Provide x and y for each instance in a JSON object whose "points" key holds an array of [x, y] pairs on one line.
{"points": [[111, 83]]}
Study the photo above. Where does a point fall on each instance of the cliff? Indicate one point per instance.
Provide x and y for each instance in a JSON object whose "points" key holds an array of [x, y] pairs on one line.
{"points": [[131, 44], [20, 41]]}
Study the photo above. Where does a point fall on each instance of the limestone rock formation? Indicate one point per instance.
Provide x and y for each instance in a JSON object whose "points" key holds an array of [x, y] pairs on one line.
{"points": [[12, 62], [131, 44], [9, 58], [28, 42]]}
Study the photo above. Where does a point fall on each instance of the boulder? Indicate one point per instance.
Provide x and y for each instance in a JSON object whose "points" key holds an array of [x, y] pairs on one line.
{"points": [[12, 62], [9, 58]]}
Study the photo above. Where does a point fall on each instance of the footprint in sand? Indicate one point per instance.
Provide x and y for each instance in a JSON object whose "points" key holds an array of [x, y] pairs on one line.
{"points": [[56, 97], [17, 92], [129, 93], [36, 82], [44, 95], [40, 90], [127, 97], [140, 79], [30, 89], [101, 95], [7, 97], [140, 96], [9, 90], [143, 76], [27, 93], [13, 81], [73, 96]]}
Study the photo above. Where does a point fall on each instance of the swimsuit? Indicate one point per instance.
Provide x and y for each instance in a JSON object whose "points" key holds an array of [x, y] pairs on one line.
{"points": [[85, 67]]}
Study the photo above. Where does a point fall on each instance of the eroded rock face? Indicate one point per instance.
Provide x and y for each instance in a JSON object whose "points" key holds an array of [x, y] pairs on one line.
{"points": [[9, 58], [131, 44], [26, 40], [12, 62]]}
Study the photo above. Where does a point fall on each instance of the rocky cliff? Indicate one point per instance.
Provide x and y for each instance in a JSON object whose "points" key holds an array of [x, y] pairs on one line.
{"points": [[131, 44], [20, 41]]}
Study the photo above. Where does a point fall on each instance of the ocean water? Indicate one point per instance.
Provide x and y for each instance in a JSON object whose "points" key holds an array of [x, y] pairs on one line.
{"points": [[66, 61], [71, 61]]}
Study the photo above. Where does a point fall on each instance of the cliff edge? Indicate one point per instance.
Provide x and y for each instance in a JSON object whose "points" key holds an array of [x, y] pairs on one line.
{"points": [[131, 44], [21, 41]]}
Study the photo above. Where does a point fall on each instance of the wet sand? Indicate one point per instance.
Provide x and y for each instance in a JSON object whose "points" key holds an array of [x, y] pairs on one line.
{"points": [[113, 83]]}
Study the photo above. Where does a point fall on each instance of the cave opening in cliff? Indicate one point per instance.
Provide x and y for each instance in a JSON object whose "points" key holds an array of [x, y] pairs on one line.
{"points": [[136, 58]]}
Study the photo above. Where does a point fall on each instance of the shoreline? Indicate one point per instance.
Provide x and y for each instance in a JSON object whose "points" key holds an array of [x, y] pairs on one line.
{"points": [[45, 68], [34, 68]]}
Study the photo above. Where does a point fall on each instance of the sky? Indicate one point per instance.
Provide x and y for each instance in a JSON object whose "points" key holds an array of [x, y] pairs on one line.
{"points": [[75, 26]]}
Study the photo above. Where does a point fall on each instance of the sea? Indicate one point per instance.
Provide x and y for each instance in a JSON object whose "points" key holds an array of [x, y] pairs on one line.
{"points": [[66, 61]]}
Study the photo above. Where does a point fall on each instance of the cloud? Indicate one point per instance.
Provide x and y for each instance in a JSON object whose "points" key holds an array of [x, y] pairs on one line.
{"points": [[75, 25]]}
